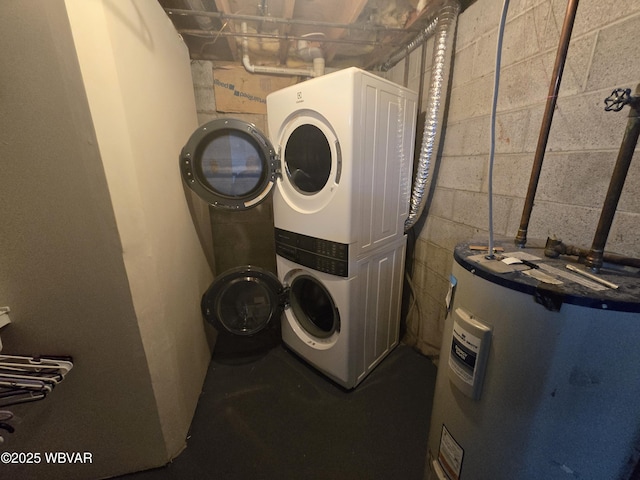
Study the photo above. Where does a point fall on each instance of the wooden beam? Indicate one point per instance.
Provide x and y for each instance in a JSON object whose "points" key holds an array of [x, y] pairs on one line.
{"points": [[349, 11], [224, 7]]}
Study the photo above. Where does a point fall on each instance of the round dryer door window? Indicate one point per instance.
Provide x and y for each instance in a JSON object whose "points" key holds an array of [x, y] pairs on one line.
{"points": [[229, 163], [313, 307], [243, 300], [307, 158]]}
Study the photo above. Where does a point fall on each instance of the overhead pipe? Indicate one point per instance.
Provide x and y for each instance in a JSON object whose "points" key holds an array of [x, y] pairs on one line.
{"points": [[443, 27], [615, 102], [276, 36], [286, 21], [554, 87], [316, 71]]}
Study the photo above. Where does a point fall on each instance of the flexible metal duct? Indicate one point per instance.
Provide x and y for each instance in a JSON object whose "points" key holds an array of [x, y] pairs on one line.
{"points": [[443, 27]]}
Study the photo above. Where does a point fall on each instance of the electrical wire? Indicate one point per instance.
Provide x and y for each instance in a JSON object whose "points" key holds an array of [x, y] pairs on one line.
{"points": [[492, 149]]}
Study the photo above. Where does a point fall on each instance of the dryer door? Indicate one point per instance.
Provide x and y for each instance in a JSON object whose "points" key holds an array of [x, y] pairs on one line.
{"points": [[229, 163], [311, 161], [243, 300]]}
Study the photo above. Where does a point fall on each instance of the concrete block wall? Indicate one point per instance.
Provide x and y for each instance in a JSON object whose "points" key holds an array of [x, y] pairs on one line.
{"points": [[581, 151]]}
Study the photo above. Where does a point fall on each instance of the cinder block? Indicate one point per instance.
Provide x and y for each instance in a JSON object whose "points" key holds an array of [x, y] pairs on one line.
{"points": [[511, 131], [396, 74], [439, 259], [576, 68], [615, 59], [202, 73], [205, 99], [445, 233], [630, 199], [467, 137], [478, 19], [511, 174], [519, 7], [576, 178], [442, 203], [515, 216], [484, 61], [624, 237], [595, 14], [580, 123], [523, 84], [436, 286], [462, 173], [420, 249], [472, 209], [463, 65], [575, 225], [471, 99]]}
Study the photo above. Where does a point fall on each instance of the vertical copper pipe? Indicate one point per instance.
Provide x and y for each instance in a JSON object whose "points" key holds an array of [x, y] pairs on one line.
{"points": [[554, 87], [625, 154]]}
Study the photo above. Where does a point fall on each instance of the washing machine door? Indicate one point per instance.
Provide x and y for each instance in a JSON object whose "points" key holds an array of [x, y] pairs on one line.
{"points": [[229, 163], [243, 300], [312, 306]]}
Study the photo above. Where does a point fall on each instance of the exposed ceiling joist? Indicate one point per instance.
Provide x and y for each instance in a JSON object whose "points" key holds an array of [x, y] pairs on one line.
{"points": [[361, 33]]}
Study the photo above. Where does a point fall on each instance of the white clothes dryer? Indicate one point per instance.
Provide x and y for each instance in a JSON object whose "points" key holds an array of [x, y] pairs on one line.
{"points": [[345, 142]]}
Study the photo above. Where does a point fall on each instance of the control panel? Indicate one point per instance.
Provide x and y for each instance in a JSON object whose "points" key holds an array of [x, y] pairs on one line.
{"points": [[316, 253]]}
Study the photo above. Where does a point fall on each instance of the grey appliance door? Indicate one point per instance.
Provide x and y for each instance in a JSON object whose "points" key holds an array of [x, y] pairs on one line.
{"points": [[230, 164], [243, 301]]}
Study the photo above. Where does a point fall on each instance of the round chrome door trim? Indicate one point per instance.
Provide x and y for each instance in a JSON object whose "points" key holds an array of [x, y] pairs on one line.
{"points": [[229, 163], [314, 198]]}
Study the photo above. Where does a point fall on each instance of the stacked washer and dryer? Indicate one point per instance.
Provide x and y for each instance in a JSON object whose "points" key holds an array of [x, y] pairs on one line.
{"points": [[339, 161]]}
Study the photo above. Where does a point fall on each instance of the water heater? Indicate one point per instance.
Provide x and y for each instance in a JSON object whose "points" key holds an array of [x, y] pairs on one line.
{"points": [[537, 379]]}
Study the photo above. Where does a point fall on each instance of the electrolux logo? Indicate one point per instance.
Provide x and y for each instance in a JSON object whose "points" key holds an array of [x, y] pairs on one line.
{"points": [[299, 98]]}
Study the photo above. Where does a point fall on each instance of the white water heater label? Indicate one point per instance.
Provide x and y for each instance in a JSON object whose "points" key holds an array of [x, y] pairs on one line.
{"points": [[464, 353], [470, 342], [450, 455]]}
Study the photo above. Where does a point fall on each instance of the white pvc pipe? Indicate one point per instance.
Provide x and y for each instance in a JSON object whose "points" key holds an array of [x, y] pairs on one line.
{"points": [[317, 71]]}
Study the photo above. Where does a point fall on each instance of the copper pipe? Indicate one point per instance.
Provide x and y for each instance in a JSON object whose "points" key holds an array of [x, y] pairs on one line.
{"points": [[554, 248], [554, 87], [625, 154]]}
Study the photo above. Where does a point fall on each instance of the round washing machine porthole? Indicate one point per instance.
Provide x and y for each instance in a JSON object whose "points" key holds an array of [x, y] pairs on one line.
{"points": [[313, 307], [243, 301]]}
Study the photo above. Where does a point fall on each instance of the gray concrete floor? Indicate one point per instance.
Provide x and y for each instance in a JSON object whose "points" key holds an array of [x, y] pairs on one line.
{"points": [[272, 416]]}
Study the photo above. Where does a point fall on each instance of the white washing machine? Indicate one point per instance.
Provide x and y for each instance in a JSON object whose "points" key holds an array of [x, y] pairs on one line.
{"points": [[344, 326]]}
